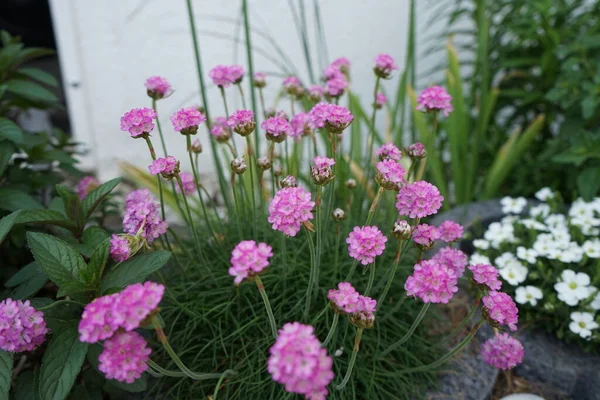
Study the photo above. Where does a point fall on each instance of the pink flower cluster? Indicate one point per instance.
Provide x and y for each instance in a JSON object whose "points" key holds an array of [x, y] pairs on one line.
{"points": [[454, 259], [119, 248], [260, 79], [242, 122], [167, 166], [336, 86], [502, 309], [331, 116], [425, 235], [321, 171], [298, 362], [189, 184], [22, 327], [384, 65], [276, 128], [316, 92], [142, 211], [390, 174], [289, 209], [502, 351], [345, 299], [432, 282], [187, 120], [417, 150], [435, 98], [158, 87], [380, 100], [86, 185], [389, 151], [124, 357], [419, 199], [221, 129], [299, 124], [138, 121], [486, 275], [450, 231], [127, 309], [248, 259], [335, 75], [226, 75], [291, 83], [366, 243]]}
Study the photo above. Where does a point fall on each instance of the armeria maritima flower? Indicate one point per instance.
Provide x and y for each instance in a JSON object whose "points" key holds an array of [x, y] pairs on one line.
{"points": [[289, 209], [501, 309], [138, 121], [298, 362], [299, 124], [220, 129], [336, 86], [436, 99], [242, 122], [276, 129], [432, 282], [416, 151], [380, 100], [384, 65], [337, 118], [226, 75], [487, 275], [450, 231], [453, 259], [248, 259], [260, 79], [167, 166], [158, 87], [321, 171], [425, 235], [316, 93], [119, 248], [124, 357], [189, 183], [22, 327], [292, 85], [502, 351], [365, 243], [86, 185], [344, 298], [187, 120], [390, 174], [389, 151], [142, 211], [419, 199], [137, 301]]}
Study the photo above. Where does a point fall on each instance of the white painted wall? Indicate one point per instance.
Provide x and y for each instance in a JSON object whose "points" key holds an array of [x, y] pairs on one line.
{"points": [[107, 48]]}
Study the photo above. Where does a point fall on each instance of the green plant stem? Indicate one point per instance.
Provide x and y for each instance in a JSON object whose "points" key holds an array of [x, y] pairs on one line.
{"points": [[262, 102], [463, 322], [236, 201], [410, 332], [352, 269], [388, 284], [218, 386], [160, 134], [338, 239], [49, 306], [371, 279], [334, 324], [371, 140], [359, 332], [189, 213], [252, 165], [248, 38], [197, 183], [311, 279], [239, 85], [319, 230], [393, 310], [374, 205], [263, 293]]}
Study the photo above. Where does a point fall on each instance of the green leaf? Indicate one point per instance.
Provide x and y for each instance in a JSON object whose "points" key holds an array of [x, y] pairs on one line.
{"points": [[30, 91], [98, 262], [45, 217], [11, 131], [83, 392], [588, 183], [61, 363], [7, 149], [93, 236], [139, 385], [75, 289], [27, 272], [6, 366], [27, 385], [61, 262], [13, 200], [72, 205], [30, 287], [96, 196], [39, 75], [135, 270], [7, 223]]}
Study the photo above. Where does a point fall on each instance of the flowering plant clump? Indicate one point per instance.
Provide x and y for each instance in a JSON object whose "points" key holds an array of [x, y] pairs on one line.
{"points": [[548, 260]]}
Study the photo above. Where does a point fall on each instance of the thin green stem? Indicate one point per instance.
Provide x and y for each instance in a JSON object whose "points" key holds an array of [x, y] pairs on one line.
{"points": [[158, 127], [165, 372], [263, 293], [218, 386], [388, 284], [371, 279], [311, 279], [371, 140], [49, 306], [197, 184], [352, 269], [239, 85], [189, 213], [338, 239], [251, 70], [374, 205], [319, 231], [334, 324], [463, 322], [410, 332], [252, 164], [359, 332], [396, 308]]}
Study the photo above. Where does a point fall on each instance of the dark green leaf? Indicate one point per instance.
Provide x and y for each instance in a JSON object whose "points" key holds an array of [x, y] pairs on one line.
{"points": [[588, 183], [7, 149], [57, 204], [30, 91], [58, 155], [45, 217], [30, 287], [27, 386], [139, 385], [97, 263], [13, 200], [56, 317], [135, 270], [83, 392], [570, 158], [74, 289], [93, 236], [72, 205], [11, 131], [61, 364], [7, 223], [6, 366], [61, 262], [39, 75], [96, 196], [27, 272]]}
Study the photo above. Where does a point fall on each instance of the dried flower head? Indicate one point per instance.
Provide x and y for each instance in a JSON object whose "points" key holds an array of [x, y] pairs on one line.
{"points": [[238, 165], [338, 214], [402, 230], [289, 181]]}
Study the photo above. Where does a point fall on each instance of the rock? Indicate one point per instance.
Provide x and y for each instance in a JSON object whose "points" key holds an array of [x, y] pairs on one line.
{"points": [[522, 396]]}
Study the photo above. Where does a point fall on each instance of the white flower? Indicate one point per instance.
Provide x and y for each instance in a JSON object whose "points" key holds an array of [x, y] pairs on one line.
{"points": [[498, 233], [477, 258], [533, 224], [544, 194], [529, 255], [582, 324], [509, 219], [561, 237], [541, 210], [543, 247], [595, 304], [555, 220], [513, 206], [592, 248], [481, 244], [504, 259], [572, 287], [339, 352], [581, 209], [528, 294], [514, 273]]}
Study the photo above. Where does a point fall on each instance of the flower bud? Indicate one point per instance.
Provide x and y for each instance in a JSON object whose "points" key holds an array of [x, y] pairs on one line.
{"points": [[196, 147], [238, 165], [350, 183], [416, 151], [321, 172], [260, 80], [277, 170], [338, 214], [289, 181], [263, 163], [402, 230]]}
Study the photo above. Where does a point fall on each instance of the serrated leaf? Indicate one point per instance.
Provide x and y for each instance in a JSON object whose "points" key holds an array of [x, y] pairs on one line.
{"points": [[45, 217], [135, 270], [59, 261], [98, 262], [93, 236], [27, 272], [74, 289], [72, 205], [7, 223], [61, 363], [30, 91], [13, 200], [7, 149], [96, 196], [6, 367], [29, 288], [11, 131], [39, 75]]}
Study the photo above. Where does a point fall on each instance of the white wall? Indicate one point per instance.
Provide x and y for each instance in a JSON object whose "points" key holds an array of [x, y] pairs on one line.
{"points": [[107, 49]]}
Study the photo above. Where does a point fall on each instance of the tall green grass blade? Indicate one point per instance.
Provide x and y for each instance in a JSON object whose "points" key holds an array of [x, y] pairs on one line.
{"points": [[320, 34], [300, 22]]}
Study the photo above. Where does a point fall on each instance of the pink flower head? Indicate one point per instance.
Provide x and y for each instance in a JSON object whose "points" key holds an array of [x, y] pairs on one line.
{"points": [[432, 282], [142, 214], [318, 114], [158, 87], [425, 235], [450, 231], [124, 357], [419, 199], [137, 301], [380, 100], [101, 318], [366, 243], [167, 166], [316, 92], [486, 275], [299, 124], [189, 184], [221, 76], [220, 129], [331, 116], [389, 151], [417, 151], [342, 63], [276, 129], [390, 174], [260, 79], [119, 248], [452, 258], [248, 259], [501, 309], [435, 98], [242, 122], [298, 361], [336, 86], [187, 120], [138, 121], [22, 327], [86, 185], [236, 73], [291, 84], [289, 209], [502, 351], [344, 298], [364, 316], [321, 171], [384, 65]]}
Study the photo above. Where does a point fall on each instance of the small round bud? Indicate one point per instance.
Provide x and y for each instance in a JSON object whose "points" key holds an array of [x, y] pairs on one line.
{"points": [[263, 163], [402, 230], [416, 151], [350, 183], [277, 170], [260, 80], [338, 214], [196, 147], [321, 171], [238, 165], [289, 181]]}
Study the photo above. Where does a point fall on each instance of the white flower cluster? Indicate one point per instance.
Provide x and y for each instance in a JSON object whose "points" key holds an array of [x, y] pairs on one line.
{"points": [[557, 252]]}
